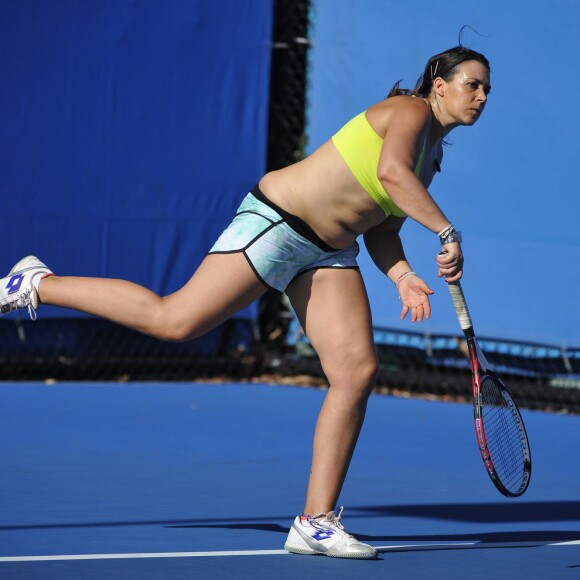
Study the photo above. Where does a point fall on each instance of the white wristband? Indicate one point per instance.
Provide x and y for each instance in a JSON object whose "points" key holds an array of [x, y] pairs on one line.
{"points": [[405, 275]]}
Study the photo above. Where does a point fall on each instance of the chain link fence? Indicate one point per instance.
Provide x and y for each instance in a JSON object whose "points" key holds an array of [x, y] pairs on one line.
{"points": [[286, 133]]}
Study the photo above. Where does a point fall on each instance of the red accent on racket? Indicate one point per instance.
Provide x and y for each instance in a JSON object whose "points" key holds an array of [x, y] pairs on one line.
{"points": [[499, 427]]}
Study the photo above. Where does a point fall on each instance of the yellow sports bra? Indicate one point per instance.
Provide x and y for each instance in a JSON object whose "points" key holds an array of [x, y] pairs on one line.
{"points": [[360, 147]]}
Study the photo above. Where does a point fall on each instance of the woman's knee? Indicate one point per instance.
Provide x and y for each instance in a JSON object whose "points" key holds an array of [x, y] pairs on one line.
{"points": [[172, 327], [176, 334], [354, 375]]}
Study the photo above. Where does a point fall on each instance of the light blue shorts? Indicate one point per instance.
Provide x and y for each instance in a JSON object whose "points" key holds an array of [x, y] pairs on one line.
{"points": [[279, 246]]}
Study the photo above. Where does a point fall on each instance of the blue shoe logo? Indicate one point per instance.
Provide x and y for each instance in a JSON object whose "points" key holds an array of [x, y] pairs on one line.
{"points": [[323, 535], [14, 283]]}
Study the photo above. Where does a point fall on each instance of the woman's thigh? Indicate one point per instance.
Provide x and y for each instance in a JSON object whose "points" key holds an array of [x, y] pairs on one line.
{"points": [[222, 285], [333, 309]]}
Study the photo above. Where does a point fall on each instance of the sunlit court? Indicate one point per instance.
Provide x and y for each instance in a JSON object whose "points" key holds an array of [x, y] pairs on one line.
{"points": [[289, 290], [194, 480]]}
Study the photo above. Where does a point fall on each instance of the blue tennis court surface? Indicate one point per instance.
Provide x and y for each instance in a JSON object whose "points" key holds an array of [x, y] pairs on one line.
{"points": [[202, 481]]}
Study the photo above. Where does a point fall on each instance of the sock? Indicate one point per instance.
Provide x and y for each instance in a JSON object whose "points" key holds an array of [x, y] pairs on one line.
{"points": [[38, 278]]}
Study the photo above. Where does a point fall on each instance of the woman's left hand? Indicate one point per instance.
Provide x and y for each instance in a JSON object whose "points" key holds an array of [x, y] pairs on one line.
{"points": [[414, 294]]}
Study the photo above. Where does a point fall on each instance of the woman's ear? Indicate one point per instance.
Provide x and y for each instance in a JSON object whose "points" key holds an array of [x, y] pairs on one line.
{"points": [[439, 86]]}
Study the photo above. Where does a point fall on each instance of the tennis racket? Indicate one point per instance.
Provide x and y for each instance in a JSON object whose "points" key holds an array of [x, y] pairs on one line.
{"points": [[499, 427]]}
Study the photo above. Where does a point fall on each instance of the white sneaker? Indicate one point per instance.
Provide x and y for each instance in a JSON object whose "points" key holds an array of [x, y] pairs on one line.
{"points": [[17, 291], [324, 534]]}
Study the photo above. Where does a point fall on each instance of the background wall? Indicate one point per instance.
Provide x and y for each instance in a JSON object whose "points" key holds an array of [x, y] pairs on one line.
{"points": [[118, 118], [129, 131], [509, 183]]}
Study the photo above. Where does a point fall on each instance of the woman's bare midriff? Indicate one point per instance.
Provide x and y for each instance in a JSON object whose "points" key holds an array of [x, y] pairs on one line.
{"points": [[322, 191]]}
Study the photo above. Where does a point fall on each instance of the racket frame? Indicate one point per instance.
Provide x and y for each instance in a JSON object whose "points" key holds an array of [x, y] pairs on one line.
{"points": [[480, 368]]}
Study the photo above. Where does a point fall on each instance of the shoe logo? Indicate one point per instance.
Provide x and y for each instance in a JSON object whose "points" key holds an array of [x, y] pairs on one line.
{"points": [[14, 283], [323, 535]]}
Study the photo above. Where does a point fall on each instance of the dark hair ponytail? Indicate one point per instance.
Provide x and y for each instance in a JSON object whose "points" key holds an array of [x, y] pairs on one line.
{"points": [[442, 65]]}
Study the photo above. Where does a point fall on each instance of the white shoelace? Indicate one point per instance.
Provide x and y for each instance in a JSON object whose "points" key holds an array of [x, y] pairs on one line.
{"points": [[324, 521], [24, 300]]}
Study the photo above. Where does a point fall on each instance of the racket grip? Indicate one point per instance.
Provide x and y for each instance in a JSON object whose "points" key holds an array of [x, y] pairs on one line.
{"points": [[460, 305]]}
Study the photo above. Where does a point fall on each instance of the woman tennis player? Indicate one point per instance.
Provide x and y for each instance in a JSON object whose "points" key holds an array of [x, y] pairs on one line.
{"points": [[296, 232]]}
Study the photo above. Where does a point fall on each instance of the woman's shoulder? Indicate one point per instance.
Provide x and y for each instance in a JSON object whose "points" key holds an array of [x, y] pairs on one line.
{"points": [[380, 114], [409, 102]]}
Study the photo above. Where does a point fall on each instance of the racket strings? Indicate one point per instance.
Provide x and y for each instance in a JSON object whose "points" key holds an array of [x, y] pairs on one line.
{"points": [[503, 433]]}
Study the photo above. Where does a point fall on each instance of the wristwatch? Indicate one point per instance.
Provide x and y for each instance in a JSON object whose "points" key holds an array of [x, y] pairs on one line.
{"points": [[449, 236]]}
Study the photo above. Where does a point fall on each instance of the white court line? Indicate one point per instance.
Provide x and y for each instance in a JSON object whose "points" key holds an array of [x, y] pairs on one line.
{"points": [[187, 554], [225, 553], [446, 544], [144, 555]]}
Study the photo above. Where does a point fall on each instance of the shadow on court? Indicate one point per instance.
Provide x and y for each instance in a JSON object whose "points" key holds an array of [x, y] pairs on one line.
{"points": [[474, 513], [549, 511], [508, 538]]}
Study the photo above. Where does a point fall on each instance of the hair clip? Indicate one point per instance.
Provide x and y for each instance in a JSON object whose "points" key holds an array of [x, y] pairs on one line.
{"points": [[434, 72]]}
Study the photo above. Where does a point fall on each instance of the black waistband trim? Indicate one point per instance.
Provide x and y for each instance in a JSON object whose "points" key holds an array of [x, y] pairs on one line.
{"points": [[296, 223]]}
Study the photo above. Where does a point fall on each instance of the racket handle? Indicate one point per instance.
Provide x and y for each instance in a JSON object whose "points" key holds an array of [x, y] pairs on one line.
{"points": [[460, 305]]}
